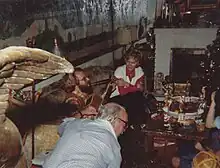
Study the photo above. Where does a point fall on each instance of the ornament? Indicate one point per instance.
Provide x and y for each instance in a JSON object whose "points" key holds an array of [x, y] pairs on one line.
{"points": [[202, 64]]}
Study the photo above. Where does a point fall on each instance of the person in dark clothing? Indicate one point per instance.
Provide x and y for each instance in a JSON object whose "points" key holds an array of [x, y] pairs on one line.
{"points": [[129, 94], [130, 86]]}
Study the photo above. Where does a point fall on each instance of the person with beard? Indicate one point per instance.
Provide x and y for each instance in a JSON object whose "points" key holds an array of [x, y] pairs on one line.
{"points": [[75, 87], [82, 81]]}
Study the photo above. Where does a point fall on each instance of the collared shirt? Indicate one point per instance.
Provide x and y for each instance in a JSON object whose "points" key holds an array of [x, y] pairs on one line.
{"points": [[85, 143]]}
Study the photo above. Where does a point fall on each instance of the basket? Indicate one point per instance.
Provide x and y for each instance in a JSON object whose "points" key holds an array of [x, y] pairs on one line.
{"points": [[206, 159]]}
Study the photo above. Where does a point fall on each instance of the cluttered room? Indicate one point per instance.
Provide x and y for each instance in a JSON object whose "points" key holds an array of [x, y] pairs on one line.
{"points": [[109, 83]]}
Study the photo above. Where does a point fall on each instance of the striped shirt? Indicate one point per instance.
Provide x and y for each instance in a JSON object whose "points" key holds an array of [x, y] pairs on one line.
{"points": [[85, 143]]}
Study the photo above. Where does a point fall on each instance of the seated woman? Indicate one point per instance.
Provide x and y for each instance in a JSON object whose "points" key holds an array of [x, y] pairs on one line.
{"points": [[213, 122], [129, 93], [129, 86]]}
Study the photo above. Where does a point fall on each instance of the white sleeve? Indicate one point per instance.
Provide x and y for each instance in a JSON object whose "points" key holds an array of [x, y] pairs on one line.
{"points": [[141, 72], [118, 73]]}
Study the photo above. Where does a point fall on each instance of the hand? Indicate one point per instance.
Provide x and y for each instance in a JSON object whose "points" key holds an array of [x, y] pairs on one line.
{"points": [[140, 86], [213, 97], [176, 162], [113, 86], [198, 146], [121, 82]]}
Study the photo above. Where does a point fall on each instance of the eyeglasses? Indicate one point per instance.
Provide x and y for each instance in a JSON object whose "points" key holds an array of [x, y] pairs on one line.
{"points": [[125, 122]]}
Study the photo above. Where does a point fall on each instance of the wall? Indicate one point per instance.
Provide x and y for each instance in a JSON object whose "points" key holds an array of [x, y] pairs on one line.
{"points": [[179, 38], [80, 18], [105, 60]]}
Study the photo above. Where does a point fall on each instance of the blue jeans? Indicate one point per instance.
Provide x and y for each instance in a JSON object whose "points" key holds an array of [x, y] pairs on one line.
{"points": [[214, 136], [187, 152], [186, 161]]}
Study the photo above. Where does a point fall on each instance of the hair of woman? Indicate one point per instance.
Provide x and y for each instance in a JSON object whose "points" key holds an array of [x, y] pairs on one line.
{"points": [[132, 52]]}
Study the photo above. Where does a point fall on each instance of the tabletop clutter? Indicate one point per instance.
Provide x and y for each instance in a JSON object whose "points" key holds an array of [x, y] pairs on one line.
{"points": [[182, 112]]}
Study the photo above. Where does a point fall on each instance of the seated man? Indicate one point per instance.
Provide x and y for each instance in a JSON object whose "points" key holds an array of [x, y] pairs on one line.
{"points": [[76, 86], [90, 143], [46, 133]]}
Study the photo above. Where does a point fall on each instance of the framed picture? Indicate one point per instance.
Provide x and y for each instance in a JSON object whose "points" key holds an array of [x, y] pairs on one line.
{"points": [[203, 4]]}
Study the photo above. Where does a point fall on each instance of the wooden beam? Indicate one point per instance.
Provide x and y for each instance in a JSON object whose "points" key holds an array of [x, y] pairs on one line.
{"points": [[86, 42], [94, 54]]}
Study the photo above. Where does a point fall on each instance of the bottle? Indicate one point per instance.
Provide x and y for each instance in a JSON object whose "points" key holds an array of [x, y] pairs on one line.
{"points": [[56, 49]]}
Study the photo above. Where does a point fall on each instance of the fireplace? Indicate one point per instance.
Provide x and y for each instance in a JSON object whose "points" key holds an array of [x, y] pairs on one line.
{"points": [[185, 64]]}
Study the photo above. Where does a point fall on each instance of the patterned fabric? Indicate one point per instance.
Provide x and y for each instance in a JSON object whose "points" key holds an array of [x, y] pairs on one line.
{"points": [[87, 144]]}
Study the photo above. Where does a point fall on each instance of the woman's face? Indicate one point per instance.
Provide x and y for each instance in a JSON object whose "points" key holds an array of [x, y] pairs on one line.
{"points": [[131, 63]]}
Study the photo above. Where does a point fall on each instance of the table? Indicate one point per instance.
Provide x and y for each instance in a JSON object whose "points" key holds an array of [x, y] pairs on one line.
{"points": [[156, 131]]}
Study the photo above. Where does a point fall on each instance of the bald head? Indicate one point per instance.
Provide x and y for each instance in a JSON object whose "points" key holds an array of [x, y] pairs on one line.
{"points": [[116, 115]]}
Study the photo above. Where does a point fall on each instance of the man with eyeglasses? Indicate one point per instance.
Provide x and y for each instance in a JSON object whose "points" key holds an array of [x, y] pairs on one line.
{"points": [[89, 143]]}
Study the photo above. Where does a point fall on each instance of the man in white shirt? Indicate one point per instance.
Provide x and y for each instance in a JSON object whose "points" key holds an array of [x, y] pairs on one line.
{"points": [[90, 143]]}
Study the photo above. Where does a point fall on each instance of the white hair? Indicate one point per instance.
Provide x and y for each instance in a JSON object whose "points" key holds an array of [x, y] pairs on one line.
{"points": [[110, 112]]}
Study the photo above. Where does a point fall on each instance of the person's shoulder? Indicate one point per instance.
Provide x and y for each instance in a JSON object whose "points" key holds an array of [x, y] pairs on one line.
{"points": [[217, 122], [140, 70], [102, 126], [119, 70]]}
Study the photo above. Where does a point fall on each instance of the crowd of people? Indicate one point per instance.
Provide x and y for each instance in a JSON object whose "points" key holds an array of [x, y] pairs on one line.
{"points": [[89, 137], [90, 126]]}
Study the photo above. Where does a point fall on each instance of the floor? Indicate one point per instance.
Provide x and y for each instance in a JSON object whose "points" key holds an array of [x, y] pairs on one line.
{"points": [[136, 155]]}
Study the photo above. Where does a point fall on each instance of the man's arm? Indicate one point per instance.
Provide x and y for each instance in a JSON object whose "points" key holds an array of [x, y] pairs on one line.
{"points": [[132, 88]]}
